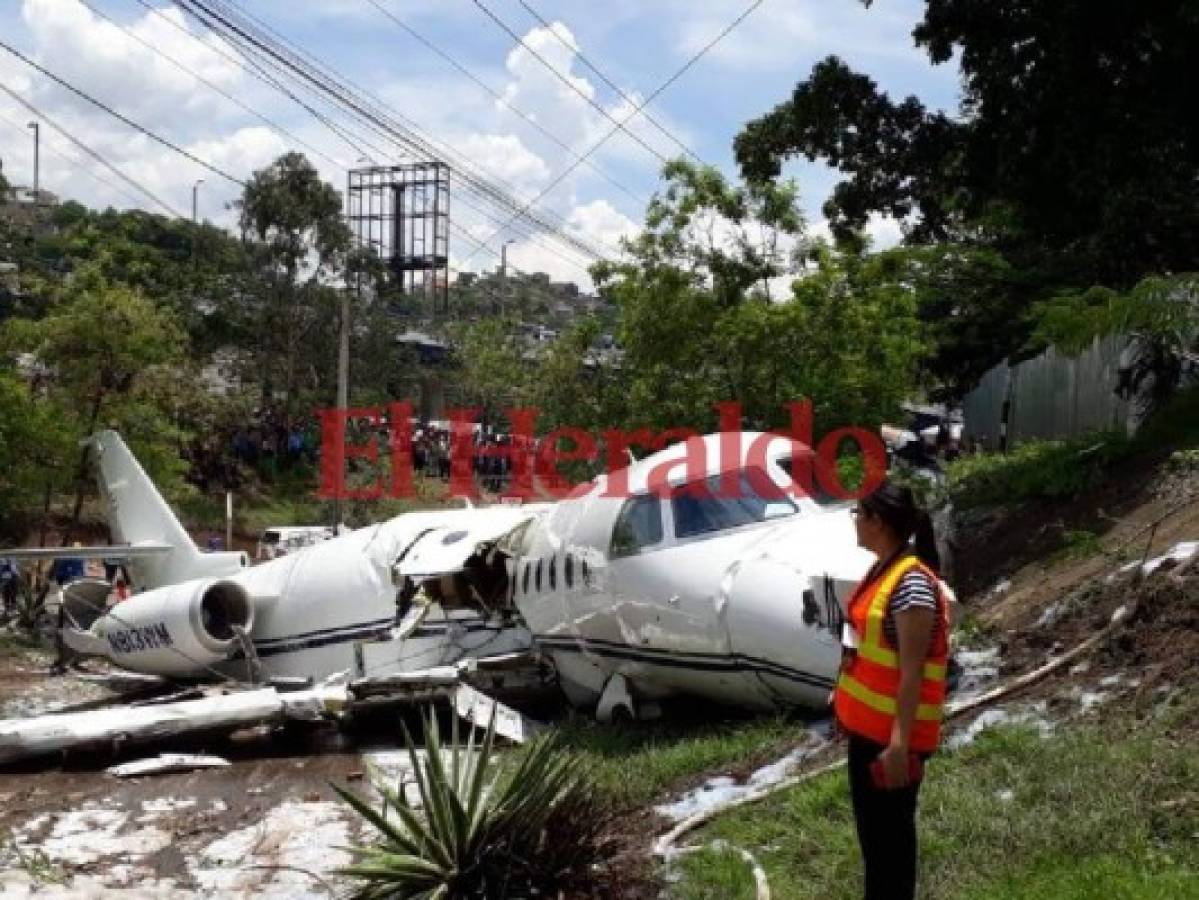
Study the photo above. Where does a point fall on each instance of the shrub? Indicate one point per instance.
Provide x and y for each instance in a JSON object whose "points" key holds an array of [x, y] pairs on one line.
{"points": [[482, 832]]}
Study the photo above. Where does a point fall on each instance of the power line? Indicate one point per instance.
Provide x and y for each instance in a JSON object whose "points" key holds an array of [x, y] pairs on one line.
{"points": [[250, 67], [218, 18], [116, 115], [100, 179], [500, 98], [214, 87], [661, 88], [566, 81], [645, 114], [411, 133], [89, 151]]}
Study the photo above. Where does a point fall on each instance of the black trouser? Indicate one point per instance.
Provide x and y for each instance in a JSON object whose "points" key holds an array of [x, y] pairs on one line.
{"points": [[886, 822]]}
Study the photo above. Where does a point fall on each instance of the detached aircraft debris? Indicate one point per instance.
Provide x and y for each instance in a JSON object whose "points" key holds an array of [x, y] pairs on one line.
{"points": [[650, 582]]}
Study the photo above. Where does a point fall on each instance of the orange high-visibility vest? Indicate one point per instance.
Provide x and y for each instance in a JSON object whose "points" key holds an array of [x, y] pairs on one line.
{"points": [[865, 701]]}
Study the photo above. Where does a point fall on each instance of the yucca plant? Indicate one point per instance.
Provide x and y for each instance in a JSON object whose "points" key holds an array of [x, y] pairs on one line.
{"points": [[480, 832]]}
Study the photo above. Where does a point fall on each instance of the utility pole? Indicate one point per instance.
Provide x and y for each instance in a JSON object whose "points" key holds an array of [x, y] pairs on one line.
{"points": [[504, 274], [36, 160], [195, 197]]}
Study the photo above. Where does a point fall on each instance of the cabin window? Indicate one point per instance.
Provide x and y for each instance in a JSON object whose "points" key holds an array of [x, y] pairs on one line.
{"points": [[553, 579], [569, 571], [638, 526], [698, 513], [524, 587], [537, 577], [585, 571]]}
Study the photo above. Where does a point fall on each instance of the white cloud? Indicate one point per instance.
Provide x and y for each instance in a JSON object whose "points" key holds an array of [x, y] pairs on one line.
{"points": [[599, 221], [505, 156], [787, 36]]}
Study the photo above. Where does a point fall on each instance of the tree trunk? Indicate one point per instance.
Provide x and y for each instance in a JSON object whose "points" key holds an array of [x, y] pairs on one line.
{"points": [[81, 471]]}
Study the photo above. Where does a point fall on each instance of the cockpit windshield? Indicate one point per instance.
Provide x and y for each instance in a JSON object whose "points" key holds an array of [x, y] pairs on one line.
{"points": [[710, 506]]}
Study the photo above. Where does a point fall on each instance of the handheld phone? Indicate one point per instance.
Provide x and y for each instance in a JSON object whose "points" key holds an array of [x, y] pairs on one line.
{"points": [[879, 777]]}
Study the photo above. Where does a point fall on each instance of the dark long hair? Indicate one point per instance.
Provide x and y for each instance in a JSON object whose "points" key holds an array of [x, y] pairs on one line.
{"points": [[897, 507]]}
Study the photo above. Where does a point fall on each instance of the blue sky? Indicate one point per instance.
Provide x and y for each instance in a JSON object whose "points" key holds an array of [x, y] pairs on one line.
{"points": [[638, 44]]}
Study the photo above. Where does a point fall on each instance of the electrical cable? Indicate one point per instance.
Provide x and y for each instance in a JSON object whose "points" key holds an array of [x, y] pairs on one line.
{"points": [[270, 123], [661, 88], [507, 29], [89, 151], [249, 65], [501, 99], [76, 163], [116, 115], [645, 114], [218, 18]]}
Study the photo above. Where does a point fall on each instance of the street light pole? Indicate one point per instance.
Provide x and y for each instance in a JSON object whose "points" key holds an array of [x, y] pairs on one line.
{"points": [[36, 160], [195, 196], [504, 274]]}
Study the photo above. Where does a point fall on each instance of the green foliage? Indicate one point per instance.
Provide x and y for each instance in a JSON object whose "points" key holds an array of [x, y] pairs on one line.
{"points": [[1057, 470], [480, 832], [1070, 165], [698, 323], [101, 346], [1054, 470]]}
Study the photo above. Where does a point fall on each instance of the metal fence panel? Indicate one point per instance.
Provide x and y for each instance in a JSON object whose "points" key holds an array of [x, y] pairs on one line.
{"points": [[1052, 396]]}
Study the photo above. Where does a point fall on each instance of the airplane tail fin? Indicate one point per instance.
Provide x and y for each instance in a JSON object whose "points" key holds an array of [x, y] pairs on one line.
{"points": [[138, 515]]}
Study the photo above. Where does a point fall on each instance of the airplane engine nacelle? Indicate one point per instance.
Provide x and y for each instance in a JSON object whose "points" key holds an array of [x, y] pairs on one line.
{"points": [[177, 630]]}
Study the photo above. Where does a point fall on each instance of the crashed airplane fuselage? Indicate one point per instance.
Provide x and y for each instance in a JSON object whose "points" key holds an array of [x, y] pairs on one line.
{"points": [[633, 594]]}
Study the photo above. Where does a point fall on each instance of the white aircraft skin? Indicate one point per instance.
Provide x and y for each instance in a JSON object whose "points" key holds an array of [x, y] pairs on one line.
{"points": [[746, 616], [719, 614]]}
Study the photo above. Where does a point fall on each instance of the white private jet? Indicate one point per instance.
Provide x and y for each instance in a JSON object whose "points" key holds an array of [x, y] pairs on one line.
{"points": [[652, 592]]}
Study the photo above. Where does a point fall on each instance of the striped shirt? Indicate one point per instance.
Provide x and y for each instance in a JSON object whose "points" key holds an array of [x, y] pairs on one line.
{"points": [[914, 591]]}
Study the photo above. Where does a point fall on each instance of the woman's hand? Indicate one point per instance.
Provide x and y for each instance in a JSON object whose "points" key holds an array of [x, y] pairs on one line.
{"points": [[894, 761]]}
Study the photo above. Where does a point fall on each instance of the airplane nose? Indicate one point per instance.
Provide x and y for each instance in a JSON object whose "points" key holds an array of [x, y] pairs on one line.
{"points": [[783, 627]]}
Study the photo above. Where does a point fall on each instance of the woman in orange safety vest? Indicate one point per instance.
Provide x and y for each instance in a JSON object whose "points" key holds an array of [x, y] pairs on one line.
{"points": [[891, 689]]}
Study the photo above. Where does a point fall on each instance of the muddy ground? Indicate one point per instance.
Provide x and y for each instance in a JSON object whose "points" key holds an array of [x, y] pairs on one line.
{"points": [[270, 824]]}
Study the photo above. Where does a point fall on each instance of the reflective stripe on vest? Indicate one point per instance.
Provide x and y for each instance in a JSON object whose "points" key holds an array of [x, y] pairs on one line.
{"points": [[865, 699]]}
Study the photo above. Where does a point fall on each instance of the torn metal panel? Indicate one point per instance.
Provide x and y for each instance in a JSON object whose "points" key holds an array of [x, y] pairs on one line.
{"points": [[23, 738], [167, 763], [480, 710]]}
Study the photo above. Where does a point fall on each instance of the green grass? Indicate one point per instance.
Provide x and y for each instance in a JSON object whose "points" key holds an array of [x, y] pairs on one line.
{"points": [[1089, 815], [640, 764], [1061, 469]]}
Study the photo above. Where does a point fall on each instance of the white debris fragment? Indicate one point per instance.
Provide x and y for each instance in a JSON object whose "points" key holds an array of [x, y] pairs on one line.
{"points": [[479, 709], [1180, 552], [1051, 614], [1080, 668], [292, 854], [978, 669], [1006, 795], [1090, 699], [719, 790], [1111, 680], [1034, 716], [1001, 588], [157, 807], [165, 763]]}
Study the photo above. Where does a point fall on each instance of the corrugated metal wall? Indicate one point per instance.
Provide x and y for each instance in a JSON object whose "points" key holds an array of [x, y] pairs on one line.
{"points": [[1052, 396]]}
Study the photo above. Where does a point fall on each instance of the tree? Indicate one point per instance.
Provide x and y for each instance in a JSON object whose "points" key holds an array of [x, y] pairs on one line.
{"points": [[1073, 162], [1077, 148], [698, 324], [300, 245], [96, 343]]}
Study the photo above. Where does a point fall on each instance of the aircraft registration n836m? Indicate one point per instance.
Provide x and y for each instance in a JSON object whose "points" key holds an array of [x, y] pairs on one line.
{"points": [[633, 594]]}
